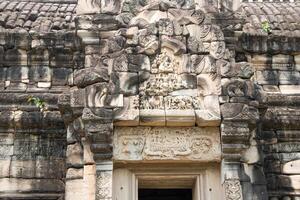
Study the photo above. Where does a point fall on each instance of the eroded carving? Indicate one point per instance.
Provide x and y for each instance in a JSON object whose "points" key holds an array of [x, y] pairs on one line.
{"points": [[233, 190], [104, 185], [166, 143]]}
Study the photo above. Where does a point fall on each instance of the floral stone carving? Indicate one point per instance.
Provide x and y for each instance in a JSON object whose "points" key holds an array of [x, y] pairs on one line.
{"points": [[146, 143], [233, 190]]}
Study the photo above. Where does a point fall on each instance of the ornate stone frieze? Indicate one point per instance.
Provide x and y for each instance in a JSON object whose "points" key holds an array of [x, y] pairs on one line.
{"points": [[145, 143]]}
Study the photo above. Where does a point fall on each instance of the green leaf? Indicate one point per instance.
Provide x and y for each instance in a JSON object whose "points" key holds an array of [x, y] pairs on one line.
{"points": [[266, 26]]}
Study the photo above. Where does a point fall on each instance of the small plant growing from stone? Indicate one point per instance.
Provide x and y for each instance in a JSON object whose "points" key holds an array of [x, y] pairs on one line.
{"points": [[39, 103], [265, 25]]}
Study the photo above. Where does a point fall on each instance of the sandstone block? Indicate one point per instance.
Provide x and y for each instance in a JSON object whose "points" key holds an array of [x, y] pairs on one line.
{"points": [[17, 73], [209, 85], [4, 168], [60, 76], [15, 57], [129, 114], [291, 167], [267, 77], [22, 168], [74, 189], [87, 153], [290, 182], [152, 117], [110, 6], [6, 151], [180, 117], [148, 144], [282, 62], [297, 62], [40, 74], [126, 83], [7, 139], [90, 181], [73, 173], [271, 88], [50, 168], [74, 155], [261, 61], [290, 89], [13, 185], [289, 77], [44, 84], [88, 76]]}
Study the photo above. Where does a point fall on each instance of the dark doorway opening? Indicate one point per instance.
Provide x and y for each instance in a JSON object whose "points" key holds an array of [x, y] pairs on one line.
{"points": [[165, 194]]}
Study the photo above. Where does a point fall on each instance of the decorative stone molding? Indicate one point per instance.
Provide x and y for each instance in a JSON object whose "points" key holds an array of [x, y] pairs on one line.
{"points": [[181, 144]]}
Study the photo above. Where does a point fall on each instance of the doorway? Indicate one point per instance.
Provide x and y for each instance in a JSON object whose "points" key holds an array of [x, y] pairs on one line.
{"points": [[166, 182], [165, 194]]}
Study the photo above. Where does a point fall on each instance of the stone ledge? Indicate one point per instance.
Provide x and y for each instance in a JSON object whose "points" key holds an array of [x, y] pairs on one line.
{"points": [[11, 185]]}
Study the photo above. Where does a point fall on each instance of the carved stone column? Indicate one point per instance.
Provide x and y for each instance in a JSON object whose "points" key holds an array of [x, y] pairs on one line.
{"points": [[241, 163]]}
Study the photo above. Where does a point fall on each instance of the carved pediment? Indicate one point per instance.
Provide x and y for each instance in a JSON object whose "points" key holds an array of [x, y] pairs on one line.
{"points": [[162, 70]]}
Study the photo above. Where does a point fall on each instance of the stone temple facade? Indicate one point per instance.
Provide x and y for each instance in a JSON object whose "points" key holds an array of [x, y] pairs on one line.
{"points": [[149, 94]]}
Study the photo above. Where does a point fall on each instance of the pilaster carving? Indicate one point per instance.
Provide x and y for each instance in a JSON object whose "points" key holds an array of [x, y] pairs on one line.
{"points": [[233, 189], [104, 185]]}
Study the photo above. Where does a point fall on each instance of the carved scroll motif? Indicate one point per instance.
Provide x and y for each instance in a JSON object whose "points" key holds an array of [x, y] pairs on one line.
{"points": [[166, 143]]}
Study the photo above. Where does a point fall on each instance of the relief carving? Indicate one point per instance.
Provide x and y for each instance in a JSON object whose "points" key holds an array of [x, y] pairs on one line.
{"points": [[163, 63], [163, 84], [178, 102], [104, 185], [145, 143], [233, 190]]}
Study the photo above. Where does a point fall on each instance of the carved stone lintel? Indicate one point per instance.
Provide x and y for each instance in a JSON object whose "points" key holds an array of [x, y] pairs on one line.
{"points": [[146, 143]]}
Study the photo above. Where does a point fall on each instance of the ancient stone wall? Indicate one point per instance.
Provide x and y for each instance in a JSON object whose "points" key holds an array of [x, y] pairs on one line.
{"points": [[176, 72], [33, 140]]}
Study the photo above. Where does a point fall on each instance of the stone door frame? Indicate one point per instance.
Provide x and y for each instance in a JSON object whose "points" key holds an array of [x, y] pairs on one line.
{"points": [[204, 180]]}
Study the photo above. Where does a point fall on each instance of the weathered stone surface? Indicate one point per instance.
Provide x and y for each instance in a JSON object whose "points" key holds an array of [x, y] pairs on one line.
{"points": [[22, 169], [291, 167], [144, 143], [73, 173], [282, 62], [90, 181], [209, 85], [74, 155], [209, 115], [129, 114], [288, 77], [85, 77], [180, 117], [239, 111], [10, 185], [104, 184], [152, 117], [60, 76], [289, 89], [125, 83], [50, 168], [74, 189], [289, 181], [233, 189], [4, 168], [267, 77], [87, 153]]}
